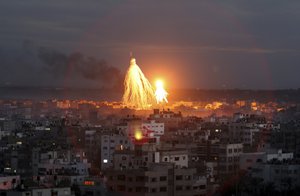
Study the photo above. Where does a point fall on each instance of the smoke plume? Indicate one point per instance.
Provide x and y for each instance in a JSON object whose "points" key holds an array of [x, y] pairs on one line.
{"points": [[78, 65]]}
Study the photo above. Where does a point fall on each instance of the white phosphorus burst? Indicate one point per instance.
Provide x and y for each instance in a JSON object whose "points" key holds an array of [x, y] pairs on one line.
{"points": [[138, 92], [160, 92]]}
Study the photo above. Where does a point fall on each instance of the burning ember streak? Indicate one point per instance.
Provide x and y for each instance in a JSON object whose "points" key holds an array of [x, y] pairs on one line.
{"points": [[160, 93], [138, 93]]}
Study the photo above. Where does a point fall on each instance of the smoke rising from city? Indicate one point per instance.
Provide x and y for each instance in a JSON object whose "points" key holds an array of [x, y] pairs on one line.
{"points": [[76, 63], [46, 66]]}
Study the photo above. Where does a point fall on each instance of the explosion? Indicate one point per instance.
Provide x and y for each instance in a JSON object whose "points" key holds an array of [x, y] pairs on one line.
{"points": [[160, 93], [138, 92]]}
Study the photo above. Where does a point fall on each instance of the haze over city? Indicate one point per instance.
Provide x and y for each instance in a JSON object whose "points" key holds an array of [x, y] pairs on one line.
{"points": [[200, 44]]}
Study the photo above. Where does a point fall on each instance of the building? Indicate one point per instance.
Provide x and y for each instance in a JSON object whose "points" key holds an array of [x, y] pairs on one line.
{"points": [[158, 179], [249, 160], [56, 166], [140, 157], [284, 175], [9, 182], [93, 186], [150, 129], [6, 127], [229, 157], [178, 157], [58, 191], [169, 118], [109, 143]]}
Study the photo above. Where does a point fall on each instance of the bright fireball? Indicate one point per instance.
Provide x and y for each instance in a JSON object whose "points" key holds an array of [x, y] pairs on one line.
{"points": [[160, 92]]}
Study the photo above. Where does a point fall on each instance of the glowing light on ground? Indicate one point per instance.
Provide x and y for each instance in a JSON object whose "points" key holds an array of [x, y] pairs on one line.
{"points": [[213, 106], [160, 92], [138, 135], [138, 93]]}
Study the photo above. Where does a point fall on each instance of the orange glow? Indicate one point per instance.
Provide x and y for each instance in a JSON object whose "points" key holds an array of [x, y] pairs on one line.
{"points": [[89, 183], [160, 92], [213, 106], [254, 106], [138, 135]]}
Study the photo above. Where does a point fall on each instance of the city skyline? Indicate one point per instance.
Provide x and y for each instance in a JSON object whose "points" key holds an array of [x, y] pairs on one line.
{"points": [[149, 98]]}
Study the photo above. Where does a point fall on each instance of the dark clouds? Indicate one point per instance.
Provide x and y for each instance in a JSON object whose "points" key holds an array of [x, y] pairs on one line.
{"points": [[78, 65], [205, 44]]}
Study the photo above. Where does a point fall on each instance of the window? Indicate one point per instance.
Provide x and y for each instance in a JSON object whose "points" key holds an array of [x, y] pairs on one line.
{"points": [[163, 178], [178, 188], [153, 179], [121, 177], [259, 160], [153, 190], [179, 177], [222, 151], [140, 179], [121, 188], [166, 159], [177, 158], [202, 187], [188, 177], [163, 189]]}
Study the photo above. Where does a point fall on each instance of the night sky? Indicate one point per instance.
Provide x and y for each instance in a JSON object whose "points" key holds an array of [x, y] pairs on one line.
{"points": [[188, 43]]}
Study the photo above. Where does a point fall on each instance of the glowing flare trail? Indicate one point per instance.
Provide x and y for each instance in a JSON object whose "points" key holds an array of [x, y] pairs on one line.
{"points": [[138, 92], [160, 93]]}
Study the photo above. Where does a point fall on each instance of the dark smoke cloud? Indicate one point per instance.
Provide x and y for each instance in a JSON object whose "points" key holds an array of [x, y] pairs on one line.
{"points": [[32, 65], [78, 65], [56, 62]]}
